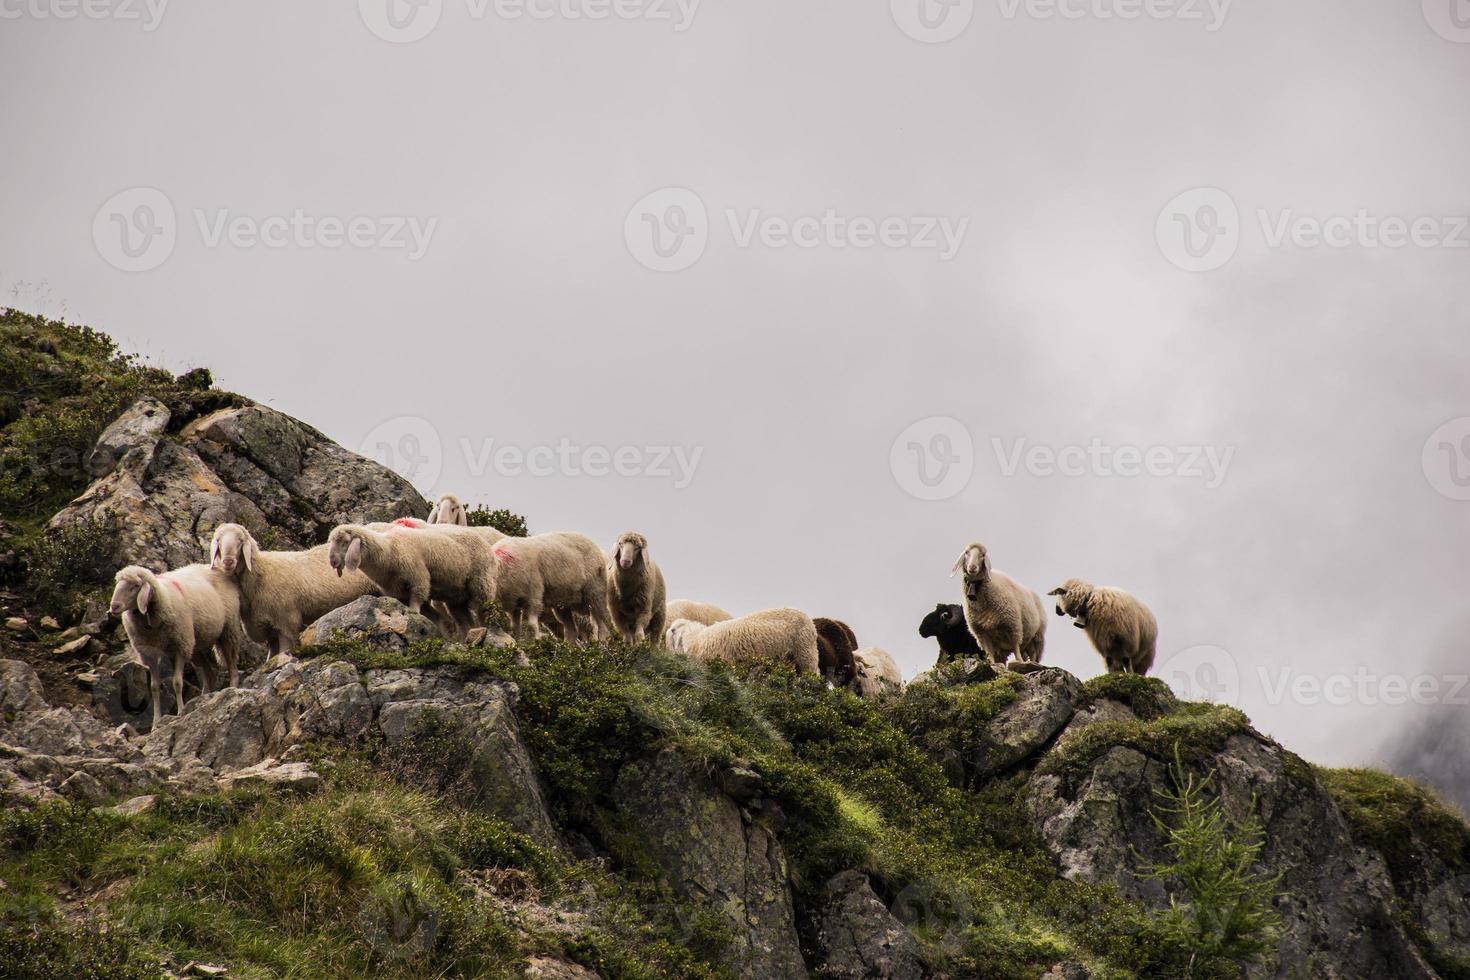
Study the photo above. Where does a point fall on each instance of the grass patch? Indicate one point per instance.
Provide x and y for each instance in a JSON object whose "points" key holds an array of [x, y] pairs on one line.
{"points": [[858, 785]]}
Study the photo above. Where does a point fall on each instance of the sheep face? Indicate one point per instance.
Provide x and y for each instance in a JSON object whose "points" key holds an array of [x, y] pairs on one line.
{"points": [[631, 548], [1072, 597], [231, 547], [974, 561], [449, 510], [680, 633], [344, 551], [946, 616], [132, 592]]}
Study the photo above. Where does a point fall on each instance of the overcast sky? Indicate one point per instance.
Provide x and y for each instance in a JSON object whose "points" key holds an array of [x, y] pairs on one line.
{"points": [[844, 258]]}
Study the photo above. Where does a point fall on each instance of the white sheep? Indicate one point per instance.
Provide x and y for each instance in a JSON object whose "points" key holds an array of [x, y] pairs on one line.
{"points": [[417, 564], [181, 616], [785, 635], [1006, 618], [560, 571], [449, 510], [282, 591], [876, 673], [699, 612], [1121, 628], [636, 590]]}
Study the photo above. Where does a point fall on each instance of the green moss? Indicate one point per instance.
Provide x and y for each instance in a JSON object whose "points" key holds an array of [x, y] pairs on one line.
{"points": [[1400, 818], [1146, 697], [859, 785], [1198, 731]]}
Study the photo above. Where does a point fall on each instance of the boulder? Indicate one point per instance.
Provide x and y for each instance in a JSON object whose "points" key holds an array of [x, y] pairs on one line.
{"points": [[859, 938], [1337, 920], [1043, 706], [710, 853], [380, 622], [295, 777], [160, 493]]}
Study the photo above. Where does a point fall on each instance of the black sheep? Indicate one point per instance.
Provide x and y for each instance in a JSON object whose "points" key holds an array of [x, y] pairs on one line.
{"points": [[947, 624]]}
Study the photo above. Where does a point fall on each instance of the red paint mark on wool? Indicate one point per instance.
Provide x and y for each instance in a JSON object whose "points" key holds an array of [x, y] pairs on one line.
{"points": [[409, 522], [504, 556]]}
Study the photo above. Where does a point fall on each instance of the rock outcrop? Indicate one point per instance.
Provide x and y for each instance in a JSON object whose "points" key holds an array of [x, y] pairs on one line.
{"points": [[160, 493], [713, 854]]}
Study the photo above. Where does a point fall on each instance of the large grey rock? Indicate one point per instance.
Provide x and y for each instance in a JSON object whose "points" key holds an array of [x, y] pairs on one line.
{"points": [[472, 726], [1043, 706], [1337, 920], [163, 493], [712, 855], [380, 622], [238, 732], [137, 429], [859, 938]]}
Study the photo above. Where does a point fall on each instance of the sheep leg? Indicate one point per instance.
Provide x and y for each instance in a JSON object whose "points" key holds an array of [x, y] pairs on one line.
{"points": [[155, 690], [178, 682]]}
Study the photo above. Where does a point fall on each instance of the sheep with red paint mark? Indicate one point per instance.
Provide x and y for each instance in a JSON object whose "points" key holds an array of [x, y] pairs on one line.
{"points": [[417, 564], [179, 617], [282, 591], [561, 571]]}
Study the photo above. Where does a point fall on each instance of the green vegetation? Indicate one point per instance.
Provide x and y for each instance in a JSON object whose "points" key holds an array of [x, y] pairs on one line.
{"points": [[1412, 828], [874, 787], [60, 386], [368, 878], [513, 525], [1228, 920]]}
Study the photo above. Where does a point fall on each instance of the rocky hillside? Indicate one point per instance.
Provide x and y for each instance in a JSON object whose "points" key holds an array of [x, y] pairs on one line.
{"points": [[393, 805]]}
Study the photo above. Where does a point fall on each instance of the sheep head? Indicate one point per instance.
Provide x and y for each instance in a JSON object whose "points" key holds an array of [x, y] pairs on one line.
{"points": [[630, 548], [974, 561], [680, 633], [231, 546], [344, 549], [133, 591], [449, 510], [1073, 597]]}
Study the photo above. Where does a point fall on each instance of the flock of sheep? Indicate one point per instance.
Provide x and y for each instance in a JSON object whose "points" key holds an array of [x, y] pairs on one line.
{"points": [[450, 571]]}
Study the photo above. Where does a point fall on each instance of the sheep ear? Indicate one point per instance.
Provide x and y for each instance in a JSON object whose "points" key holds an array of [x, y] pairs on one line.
{"points": [[433, 513], [214, 553], [985, 565], [959, 563], [145, 594], [250, 549], [644, 554], [1057, 591], [353, 559]]}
